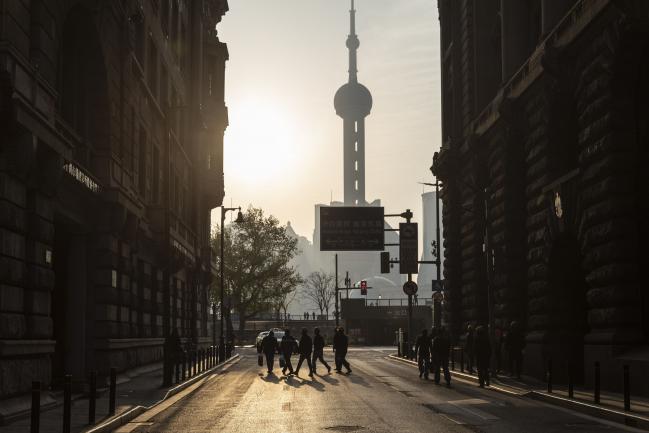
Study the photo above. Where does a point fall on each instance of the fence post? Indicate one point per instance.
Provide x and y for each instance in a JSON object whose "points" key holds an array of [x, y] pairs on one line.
{"points": [[597, 384], [67, 402], [183, 355], [453, 358], [549, 375], [177, 366], [112, 391], [462, 359], [36, 407], [627, 390], [571, 388], [92, 397]]}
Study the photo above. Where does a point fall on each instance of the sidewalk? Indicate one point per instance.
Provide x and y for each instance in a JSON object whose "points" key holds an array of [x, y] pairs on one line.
{"points": [[136, 389], [611, 406]]}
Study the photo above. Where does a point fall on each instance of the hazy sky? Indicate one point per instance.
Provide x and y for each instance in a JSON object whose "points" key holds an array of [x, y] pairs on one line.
{"points": [[284, 145]]}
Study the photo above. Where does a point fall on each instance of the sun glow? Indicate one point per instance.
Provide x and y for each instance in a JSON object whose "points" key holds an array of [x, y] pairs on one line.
{"points": [[261, 143]]}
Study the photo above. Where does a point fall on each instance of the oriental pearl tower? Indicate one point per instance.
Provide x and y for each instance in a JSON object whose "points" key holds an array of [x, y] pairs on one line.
{"points": [[353, 102]]}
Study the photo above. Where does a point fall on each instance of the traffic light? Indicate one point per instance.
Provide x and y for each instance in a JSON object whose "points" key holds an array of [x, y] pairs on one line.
{"points": [[385, 262], [363, 287]]}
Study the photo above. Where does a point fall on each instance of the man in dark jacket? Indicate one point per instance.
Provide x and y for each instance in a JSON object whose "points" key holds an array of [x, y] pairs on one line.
{"points": [[318, 350], [305, 348], [441, 347], [269, 347], [469, 348], [422, 353], [286, 347], [341, 344], [482, 349]]}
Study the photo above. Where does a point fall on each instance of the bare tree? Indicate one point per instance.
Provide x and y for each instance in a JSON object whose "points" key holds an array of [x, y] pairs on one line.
{"points": [[320, 288]]}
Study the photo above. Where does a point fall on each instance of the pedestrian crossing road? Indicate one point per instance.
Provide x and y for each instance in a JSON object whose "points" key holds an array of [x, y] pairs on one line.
{"points": [[381, 395]]}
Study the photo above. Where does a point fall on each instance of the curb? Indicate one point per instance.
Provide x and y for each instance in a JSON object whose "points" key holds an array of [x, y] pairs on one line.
{"points": [[620, 417], [124, 418]]}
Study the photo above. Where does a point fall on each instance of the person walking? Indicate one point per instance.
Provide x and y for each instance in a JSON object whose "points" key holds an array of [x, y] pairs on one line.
{"points": [[341, 344], [482, 351], [514, 345], [305, 348], [440, 349], [286, 347], [422, 353], [469, 345], [268, 347], [318, 350]]}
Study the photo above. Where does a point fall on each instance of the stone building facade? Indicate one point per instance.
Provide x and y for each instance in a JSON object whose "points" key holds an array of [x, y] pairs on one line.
{"points": [[544, 162], [112, 117]]}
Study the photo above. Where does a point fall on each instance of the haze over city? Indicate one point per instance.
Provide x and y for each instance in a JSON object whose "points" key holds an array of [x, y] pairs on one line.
{"points": [[283, 147]]}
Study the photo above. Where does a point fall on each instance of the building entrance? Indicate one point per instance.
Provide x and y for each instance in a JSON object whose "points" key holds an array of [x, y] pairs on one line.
{"points": [[568, 307], [69, 303]]}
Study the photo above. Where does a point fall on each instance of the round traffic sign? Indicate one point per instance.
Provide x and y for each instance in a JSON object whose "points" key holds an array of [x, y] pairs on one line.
{"points": [[438, 296], [410, 288]]}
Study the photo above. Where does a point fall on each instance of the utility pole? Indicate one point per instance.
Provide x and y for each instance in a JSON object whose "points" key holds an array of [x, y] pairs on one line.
{"points": [[336, 290], [437, 306]]}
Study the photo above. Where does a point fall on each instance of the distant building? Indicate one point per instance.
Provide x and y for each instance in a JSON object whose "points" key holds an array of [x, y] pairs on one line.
{"points": [[544, 160], [353, 103], [112, 117]]}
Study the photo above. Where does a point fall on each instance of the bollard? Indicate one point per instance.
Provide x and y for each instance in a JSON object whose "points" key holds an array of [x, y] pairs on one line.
{"points": [[36, 407], [549, 376], [112, 391], [597, 384], [183, 356], [571, 388], [627, 390], [67, 402], [177, 365], [452, 358], [203, 366], [92, 397], [462, 359]]}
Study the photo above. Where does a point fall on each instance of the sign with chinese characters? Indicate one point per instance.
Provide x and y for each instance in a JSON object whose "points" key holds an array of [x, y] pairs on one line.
{"points": [[351, 229], [408, 248]]}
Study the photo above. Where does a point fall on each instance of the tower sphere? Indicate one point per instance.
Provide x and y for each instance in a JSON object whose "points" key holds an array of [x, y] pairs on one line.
{"points": [[353, 100]]}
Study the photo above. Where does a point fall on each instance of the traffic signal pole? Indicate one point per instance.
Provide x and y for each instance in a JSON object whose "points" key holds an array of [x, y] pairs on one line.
{"points": [[337, 311], [437, 304]]}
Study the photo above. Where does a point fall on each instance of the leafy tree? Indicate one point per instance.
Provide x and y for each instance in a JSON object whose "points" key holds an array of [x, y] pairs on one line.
{"points": [[320, 288], [257, 270]]}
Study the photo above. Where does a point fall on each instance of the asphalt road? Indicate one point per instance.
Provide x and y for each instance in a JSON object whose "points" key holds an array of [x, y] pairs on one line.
{"points": [[380, 395]]}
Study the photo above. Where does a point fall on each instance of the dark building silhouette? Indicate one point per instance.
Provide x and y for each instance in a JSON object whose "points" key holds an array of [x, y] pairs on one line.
{"points": [[544, 159], [111, 159], [353, 103]]}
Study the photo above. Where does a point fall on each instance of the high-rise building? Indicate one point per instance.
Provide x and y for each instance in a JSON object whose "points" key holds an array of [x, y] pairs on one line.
{"points": [[428, 272], [112, 117], [353, 103], [543, 162]]}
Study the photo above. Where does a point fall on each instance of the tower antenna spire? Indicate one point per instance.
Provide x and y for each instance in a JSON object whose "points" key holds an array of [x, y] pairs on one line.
{"points": [[352, 44]]}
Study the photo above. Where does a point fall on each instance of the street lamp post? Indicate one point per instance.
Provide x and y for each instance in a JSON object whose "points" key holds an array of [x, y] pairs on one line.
{"points": [[239, 219]]}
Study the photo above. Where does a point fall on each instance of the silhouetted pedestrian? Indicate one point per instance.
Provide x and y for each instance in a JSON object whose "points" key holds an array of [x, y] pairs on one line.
{"points": [[498, 349], [441, 347], [422, 353], [482, 354], [305, 348], [514, 345], [318, 350], [469, 345], [269, 346], [314, 315], [341, 344], [286, 347]]}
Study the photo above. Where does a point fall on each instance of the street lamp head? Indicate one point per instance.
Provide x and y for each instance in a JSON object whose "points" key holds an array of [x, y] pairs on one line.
{"points": [[240, 218]]}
